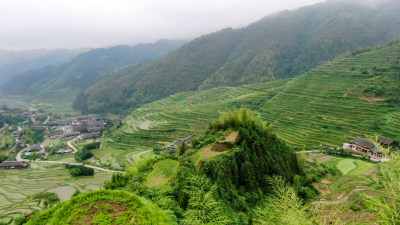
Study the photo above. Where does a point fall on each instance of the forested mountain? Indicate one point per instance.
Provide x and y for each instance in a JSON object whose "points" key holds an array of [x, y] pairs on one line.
{"points": [[357, 94], [15, 62], [86, 68], [279, 46]]}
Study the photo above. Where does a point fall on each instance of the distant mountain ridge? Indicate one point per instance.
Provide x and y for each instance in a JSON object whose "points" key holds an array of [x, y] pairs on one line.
{"points": [[85, 69], [15, 62], [283, 45]]}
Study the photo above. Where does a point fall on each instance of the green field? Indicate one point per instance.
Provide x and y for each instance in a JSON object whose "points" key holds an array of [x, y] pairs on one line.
{"points": [[59, 102], [17, 187], [345, 166], [163, 171], [6, 141], [330, 105], [353, 174]]}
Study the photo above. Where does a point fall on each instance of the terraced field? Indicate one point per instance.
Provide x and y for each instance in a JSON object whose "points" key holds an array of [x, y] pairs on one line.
{"points": [[341, 200], [162, 172], [350, 97], [17, 187], [189, 113]]}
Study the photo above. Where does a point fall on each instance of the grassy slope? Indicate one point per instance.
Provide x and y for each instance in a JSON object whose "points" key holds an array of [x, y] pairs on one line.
{"points": [[321, 106], [104, 207], [337, 187], [163, 171]]}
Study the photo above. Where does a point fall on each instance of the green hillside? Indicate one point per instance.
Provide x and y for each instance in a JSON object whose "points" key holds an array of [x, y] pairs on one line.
{"points": [[279, 46], [103, 207], [356, 94], [13, 63], [85, 69]]}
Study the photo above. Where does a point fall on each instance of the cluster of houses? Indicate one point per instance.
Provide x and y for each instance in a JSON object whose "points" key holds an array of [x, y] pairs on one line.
{"points": [[176, 144], [35, 148], [366, 147], [82, 127]]}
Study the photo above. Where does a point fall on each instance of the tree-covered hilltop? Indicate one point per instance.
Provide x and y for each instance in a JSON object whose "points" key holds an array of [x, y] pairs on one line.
{"points": [[220, 177], [85, 69], [283, 45]]}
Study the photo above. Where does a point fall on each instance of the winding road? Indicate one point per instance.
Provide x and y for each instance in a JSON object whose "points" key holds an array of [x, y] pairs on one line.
{"points": [[19, 159]]}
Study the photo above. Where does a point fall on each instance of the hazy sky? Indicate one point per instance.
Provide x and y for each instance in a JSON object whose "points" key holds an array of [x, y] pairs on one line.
{"points": [[27, 24]]}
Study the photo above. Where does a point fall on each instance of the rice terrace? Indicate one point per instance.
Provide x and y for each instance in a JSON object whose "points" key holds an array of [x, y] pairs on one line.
{"points": [[195, 113]]}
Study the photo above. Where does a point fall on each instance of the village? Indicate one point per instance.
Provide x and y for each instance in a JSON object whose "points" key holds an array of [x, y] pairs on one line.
{"points": [[45, 125]]}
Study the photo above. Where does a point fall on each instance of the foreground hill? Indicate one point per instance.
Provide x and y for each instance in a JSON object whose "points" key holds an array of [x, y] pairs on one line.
{"points": [[85, 69], [103, 207], [13, 63], [356, 94], [279, 46]]}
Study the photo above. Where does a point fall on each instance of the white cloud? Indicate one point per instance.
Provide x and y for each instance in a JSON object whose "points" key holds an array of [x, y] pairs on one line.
{"points": [[96, 23]]}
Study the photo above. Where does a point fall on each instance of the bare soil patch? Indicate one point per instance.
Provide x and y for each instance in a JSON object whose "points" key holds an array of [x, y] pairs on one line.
{"points": [[373, 100], [208, 153], [232, 137], [322, 188], [326, 181], [324, 158], [219, 147]]}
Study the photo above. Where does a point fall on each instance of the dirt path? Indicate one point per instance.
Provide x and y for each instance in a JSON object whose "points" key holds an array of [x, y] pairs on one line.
{"points": [[88, 166], [19, 159], [18, 156], [373, 173], [341, 198], [72, 147], [47, 120]]}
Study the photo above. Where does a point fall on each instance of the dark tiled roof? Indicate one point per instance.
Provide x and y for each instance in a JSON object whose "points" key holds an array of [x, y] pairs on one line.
{"points": [[364, 143], [384, 140], [13, 164]]}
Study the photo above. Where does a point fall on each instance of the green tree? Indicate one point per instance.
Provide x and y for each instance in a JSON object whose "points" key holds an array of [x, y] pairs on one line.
{"points": [[283, 206]]}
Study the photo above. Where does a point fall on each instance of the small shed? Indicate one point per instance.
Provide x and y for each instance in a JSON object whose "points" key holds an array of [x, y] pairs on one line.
{"points": [[387, 143]]}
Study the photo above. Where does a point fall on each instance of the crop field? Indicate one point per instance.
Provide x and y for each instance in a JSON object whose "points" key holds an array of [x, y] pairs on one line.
{"points": [[51, 142], [344, 192], [329, 105], [17, 187], [179, 116], [345, 166], [163, 171]]}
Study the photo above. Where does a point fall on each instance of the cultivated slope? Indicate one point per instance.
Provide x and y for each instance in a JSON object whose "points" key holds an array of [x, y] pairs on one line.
{"points": [[279, 46], [86, 68], [352, 96]]}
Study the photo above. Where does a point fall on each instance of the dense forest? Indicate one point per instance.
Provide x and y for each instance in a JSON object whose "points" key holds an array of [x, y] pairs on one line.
{"points": [[223, 189], [279, 46], [85, 69]]}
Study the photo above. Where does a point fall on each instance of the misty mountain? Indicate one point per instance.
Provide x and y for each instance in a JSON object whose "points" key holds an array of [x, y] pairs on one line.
{"points": [[86, 68], [15, 62], [278, 46]]}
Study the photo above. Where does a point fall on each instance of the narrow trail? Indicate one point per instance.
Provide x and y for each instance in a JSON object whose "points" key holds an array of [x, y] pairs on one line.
{"points": [[72, 147], [19, 159], [47, 120], [341, 198], [88, 166]]}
